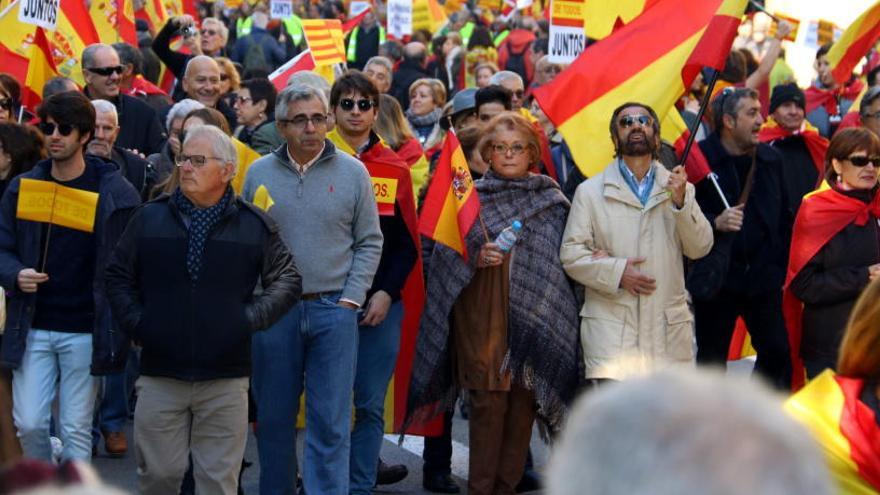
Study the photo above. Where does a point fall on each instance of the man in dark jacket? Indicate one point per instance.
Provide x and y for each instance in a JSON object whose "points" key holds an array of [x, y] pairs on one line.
{"points": [[139, 127], [410, 69], [58, 321], [754, 233], [181, 283], [364, 40], [259, 42]]}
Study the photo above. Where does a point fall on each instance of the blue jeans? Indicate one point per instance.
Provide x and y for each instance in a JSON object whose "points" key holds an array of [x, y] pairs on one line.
{"points": [[377, 356], [313, 347], [49, 356]]}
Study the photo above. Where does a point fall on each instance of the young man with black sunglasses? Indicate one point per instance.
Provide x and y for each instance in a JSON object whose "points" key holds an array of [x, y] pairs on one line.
{"points": [[59, 322], [139, 127], [354, 100]]}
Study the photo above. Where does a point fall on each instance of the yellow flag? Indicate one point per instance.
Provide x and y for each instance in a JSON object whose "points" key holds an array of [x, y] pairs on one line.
{"points": [[36, 198], [246, 156], [262, 200], [44, 201]]}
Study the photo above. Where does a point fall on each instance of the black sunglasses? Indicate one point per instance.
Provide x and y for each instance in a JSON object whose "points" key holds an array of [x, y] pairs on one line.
{"points": [[48, 128], [106, 71], [364, 105], [862, 161], [629, 120], [6, 103]]}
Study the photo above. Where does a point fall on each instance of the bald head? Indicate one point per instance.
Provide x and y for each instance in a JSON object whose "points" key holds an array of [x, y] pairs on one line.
{"points": [[201, 81], [415, 52]]}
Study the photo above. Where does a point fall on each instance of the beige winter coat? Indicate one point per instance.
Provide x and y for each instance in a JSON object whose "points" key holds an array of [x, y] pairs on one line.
{"points": [[623, 334]]}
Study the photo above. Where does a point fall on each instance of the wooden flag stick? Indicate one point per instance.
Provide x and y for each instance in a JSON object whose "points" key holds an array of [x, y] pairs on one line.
{"points": [[46, 249]]}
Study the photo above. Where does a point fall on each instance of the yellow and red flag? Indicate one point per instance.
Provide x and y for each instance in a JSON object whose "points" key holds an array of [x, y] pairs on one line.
{"points": [[451, 205], [854, 44], [303, 61], [154, 13], [651, 60], [845, 428], [114, 20], [326, 40], [602, 17], [40, 69]]}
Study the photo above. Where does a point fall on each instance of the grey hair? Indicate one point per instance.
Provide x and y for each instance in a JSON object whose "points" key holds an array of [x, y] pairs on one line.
{"points": [[309, 78], [298, 92], [180, 110], [504, 75], [58, 84], [380, 60], [88, 55], [260, 19], [104, 106], [130, 55], [870, 95], [221, 28], [685, 432], [221, 145]]}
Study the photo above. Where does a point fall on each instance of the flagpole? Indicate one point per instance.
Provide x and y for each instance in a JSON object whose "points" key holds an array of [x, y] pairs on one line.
{"points": [[46, 249], [693, 135]]}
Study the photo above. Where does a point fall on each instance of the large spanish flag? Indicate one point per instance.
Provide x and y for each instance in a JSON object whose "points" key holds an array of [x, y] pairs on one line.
{"points": [[845, 428], [114, 20], [651, 60], [451, 205], [154, 13], [601, 18], [854, 44], [40, 69]]}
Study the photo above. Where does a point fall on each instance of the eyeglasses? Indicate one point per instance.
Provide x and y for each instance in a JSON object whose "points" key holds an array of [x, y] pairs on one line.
{"points": [[502, 149], [106, 71], [224, 77], [301, 121], [208, 32], [48, 128], [243, 99], [875, 115], [519, 93], [197, 161], [364, 104], [6, 103], [552, 69], [628, 121], [861, 161]]}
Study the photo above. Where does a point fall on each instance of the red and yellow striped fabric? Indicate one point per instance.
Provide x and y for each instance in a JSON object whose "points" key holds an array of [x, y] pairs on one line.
{"points": [[602, 18], [326, 40], [652, 60], [40, 69], [854, 44]]}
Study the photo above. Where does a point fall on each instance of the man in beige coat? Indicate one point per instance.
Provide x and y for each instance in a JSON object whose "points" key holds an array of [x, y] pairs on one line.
{"points": [[627, 231]]}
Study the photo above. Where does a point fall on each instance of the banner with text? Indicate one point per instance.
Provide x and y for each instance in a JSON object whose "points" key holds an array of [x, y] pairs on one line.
{"points": [[48, 202], [281, 9], [400, 18], [567, 38], [43, 13]]}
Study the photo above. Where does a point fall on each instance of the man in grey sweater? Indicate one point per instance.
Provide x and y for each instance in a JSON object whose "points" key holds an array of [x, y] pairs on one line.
{"points": [[323, 201]]}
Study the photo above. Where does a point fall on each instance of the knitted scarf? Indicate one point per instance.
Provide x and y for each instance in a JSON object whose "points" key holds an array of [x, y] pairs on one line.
{"points": [[430, 118], [201, 220], [543, 334]]}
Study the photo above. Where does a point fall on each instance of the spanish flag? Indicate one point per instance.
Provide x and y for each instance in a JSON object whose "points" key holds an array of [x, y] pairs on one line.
{"points": [[114, 20], [854, 44], [652, 60], [602, 18], [451, 205], [40, 69], [326, 40], [816, 145], [154, 13], [674, 130], [845, 428]]}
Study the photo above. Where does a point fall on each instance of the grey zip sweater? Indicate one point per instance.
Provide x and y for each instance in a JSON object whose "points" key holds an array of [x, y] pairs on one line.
{"points": [[328, 218]]}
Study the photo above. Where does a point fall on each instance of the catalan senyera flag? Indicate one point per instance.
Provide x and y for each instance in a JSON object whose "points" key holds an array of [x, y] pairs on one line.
{"points": [[451, 205], [48, 202], [41, 68], [844, 427], [601, 18], [74, 32], [651, 60], [303, 61], [325, 40], [854, 44]]}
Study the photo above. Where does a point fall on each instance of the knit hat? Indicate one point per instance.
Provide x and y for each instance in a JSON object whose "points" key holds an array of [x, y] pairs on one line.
{"points": [[785, 93]]}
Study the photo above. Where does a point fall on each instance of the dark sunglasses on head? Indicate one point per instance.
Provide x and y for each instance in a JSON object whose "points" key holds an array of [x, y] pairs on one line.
{"points": [[629, 120], [106, 71], [6, 103], [48, 128], [364, 105], [862, 161]]}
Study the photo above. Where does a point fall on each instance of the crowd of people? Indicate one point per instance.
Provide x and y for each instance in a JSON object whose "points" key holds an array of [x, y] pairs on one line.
{"points": [[253, 244]]}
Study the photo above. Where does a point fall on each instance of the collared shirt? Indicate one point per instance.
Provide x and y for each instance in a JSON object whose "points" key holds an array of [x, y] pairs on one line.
{"points": [[301, 168], [641, 188]]}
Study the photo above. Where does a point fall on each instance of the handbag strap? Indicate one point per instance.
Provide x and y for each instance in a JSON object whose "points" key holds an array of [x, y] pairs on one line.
{"points": [[750, 181]]}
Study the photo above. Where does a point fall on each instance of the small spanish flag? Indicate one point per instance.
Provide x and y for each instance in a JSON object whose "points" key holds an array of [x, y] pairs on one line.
{"points": [[854, 44], [451, 205]]}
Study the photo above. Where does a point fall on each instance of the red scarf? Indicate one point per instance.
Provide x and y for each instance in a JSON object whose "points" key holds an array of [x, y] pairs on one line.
{"points": [[859, 425], [822, 215], [817, 145], [410, 151], [828, 98]]}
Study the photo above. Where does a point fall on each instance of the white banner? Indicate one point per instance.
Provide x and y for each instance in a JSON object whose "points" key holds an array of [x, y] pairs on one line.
{"points": [[43, 13], [567, 37], [356, 7], [281, 9], [400, 15]]}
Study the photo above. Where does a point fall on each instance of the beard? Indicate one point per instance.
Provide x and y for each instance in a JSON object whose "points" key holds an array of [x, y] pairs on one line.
{"points": [[637, 148]]}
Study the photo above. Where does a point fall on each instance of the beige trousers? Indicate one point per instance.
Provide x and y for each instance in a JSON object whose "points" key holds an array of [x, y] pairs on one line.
{"points": [[175, 418]]}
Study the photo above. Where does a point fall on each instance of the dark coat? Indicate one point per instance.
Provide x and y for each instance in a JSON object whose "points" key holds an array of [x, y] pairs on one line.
{"points": [[199, 331], [406, 74], [799, 175], [139, 127], [759, 254], [20, 242], [830, 283]]}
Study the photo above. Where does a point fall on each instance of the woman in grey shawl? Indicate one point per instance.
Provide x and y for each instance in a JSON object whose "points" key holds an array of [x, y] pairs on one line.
{"points": [[512, 318]]}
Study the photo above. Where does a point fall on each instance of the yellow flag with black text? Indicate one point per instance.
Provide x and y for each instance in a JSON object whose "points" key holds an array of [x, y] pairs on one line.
{"points": [[48, 202]]}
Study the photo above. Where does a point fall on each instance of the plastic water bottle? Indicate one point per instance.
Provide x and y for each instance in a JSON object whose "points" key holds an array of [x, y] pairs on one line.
{"points": [[507, 238]]}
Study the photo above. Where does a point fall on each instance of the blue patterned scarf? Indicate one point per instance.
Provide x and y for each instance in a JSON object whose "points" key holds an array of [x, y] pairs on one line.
{"points": [[201, 220]]}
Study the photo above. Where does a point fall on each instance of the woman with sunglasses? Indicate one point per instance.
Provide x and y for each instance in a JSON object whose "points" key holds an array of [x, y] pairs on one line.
{"points": [[512, 316], [835, 250]]}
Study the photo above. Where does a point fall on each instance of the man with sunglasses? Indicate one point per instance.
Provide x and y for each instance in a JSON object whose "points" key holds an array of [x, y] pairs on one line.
{"points": [[324, 203], [628, 231], [751, 240], [354, 100], [139, 127], [59, 323]]}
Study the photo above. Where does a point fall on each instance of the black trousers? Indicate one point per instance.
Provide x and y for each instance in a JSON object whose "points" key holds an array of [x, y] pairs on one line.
{"points": [[762, 313], [438, 450]]}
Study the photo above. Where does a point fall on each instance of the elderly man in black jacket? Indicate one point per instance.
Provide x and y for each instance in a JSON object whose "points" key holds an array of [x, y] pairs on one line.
{"points": [[181, 282]]}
